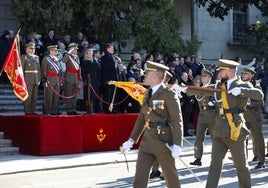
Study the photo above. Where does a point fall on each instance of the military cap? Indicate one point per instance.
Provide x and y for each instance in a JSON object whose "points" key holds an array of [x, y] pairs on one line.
{"points": [[52, 47], [205, 72], [153, 66], [73, 45], [250, 70], [168, 75], [30, 45], [226, 64]]}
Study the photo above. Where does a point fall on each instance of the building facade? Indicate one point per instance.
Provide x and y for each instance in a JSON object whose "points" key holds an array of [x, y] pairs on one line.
{"points": [[218, 37]]}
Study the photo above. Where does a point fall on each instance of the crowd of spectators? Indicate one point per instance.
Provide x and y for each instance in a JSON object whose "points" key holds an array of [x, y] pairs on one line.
{"points": [[108, 66]]}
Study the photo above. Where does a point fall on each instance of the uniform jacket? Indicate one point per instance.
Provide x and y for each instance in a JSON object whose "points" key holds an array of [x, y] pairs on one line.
{"points": [[47, 67], [31, 63], [222, 128], [71, 77], [207, 113], [172, 134], [253, 111]]}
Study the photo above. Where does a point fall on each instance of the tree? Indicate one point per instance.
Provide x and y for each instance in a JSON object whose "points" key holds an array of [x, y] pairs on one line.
{"points": [[255, 39], [154, 24], [220, 8]]}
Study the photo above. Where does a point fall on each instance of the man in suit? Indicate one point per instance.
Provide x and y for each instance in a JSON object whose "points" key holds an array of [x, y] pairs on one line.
{"points": [[254, 119], [51, 73], [230, 131], [206, 118], [32, 75], [110, 72], [160, 122], [90, 72], [72, 78]]}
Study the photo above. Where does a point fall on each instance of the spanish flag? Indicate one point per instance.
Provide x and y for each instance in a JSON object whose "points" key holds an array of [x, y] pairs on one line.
{"points": [[136, 91], [13, 69]]}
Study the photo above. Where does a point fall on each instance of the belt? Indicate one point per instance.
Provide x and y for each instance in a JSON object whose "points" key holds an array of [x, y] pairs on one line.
{"points": [[207, 108], [234, 110], [157, 124], [31, 71], [52, 74]]}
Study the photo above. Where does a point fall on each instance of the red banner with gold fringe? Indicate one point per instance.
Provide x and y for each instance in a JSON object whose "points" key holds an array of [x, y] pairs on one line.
{"points": [[13, 69]]}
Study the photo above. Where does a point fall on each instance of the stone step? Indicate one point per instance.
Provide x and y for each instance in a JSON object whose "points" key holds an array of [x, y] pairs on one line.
{"points": [[9, 151], [5, 143], [1, 135]]}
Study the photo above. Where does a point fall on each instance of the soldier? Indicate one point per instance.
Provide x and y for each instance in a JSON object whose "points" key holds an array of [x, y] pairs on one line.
{"points": [[254, 119], [160, 121], [230, 131], [51, 77], [72, 77], [206, 118], [32, 75]]}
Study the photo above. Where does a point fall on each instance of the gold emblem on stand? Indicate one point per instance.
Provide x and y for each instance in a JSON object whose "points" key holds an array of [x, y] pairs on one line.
{"points": [[101, 136]]}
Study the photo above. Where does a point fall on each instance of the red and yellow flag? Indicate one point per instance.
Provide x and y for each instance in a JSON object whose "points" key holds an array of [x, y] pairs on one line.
{"points": [[136, 91], [13, 69]]}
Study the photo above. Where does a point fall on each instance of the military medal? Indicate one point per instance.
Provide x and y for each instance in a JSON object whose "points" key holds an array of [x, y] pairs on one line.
{"points": [[204, 107], [221, 110], [147, 125], [158, 104]]}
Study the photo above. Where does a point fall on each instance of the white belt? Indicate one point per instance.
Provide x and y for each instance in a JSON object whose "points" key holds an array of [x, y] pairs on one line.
{"points": [[31, 71]]}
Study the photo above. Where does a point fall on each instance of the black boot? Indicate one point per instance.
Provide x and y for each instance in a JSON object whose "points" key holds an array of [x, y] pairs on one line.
{"points": [[197, 162], [260, 165], [154, 174]]}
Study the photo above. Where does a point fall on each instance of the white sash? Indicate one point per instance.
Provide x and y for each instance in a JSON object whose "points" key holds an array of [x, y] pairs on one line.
{"points": [[76, 65], [54, 64]]}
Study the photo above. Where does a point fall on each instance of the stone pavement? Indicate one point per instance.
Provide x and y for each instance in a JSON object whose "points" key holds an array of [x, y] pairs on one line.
{"points": [[114, 160]]}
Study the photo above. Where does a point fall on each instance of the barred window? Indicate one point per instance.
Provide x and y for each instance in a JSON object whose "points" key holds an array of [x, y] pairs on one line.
{"points": [[239, 21]]}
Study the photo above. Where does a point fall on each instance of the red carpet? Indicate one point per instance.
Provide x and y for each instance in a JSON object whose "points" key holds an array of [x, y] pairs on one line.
{"points": [[50, 135]]}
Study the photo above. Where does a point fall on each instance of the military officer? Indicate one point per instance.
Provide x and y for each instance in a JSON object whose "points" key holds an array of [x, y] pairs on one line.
{"points": [[51, 73], [32, 75], [72, 77], [254, 119], [206, 117], [230, 131], [160, 121]]}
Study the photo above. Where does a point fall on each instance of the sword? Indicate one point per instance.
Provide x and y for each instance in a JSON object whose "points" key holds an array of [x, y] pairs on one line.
{"points": [[168, 146], [187, 141], [124, 153]]}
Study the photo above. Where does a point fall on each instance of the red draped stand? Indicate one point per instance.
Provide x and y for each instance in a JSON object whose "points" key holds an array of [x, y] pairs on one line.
{"points": [[51, 135]]}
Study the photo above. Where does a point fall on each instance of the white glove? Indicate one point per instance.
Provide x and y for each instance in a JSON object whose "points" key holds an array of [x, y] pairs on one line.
{"points": [[235, 91], [128, 145], [175, 151], [210, 103]]}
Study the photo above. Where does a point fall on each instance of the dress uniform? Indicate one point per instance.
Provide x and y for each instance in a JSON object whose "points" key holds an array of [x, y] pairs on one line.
{"points": [[206, 118], [51, 73], [254, 119], [32, 75], [72, 78], [230, 131], [160, 121]]}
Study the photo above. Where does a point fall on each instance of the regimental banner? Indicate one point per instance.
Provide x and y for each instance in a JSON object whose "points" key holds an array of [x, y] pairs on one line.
{"points": [[13, 69]]}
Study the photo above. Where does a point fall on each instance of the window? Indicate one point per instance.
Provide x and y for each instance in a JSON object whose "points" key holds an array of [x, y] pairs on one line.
{"points": [[239, 21]]}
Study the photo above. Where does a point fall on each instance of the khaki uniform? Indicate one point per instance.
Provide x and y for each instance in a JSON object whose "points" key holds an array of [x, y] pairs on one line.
{"points": [[51, 71], [160, 126], [71, 81], [206, 121], [32, 75], [221, 133], [254, 119]]}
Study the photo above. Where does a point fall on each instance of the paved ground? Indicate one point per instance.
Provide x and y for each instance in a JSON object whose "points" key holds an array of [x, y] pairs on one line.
{"points": [[108, 169]]}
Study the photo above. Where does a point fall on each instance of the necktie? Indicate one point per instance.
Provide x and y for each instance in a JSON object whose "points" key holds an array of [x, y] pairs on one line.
{"points": [[150, 91]]}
